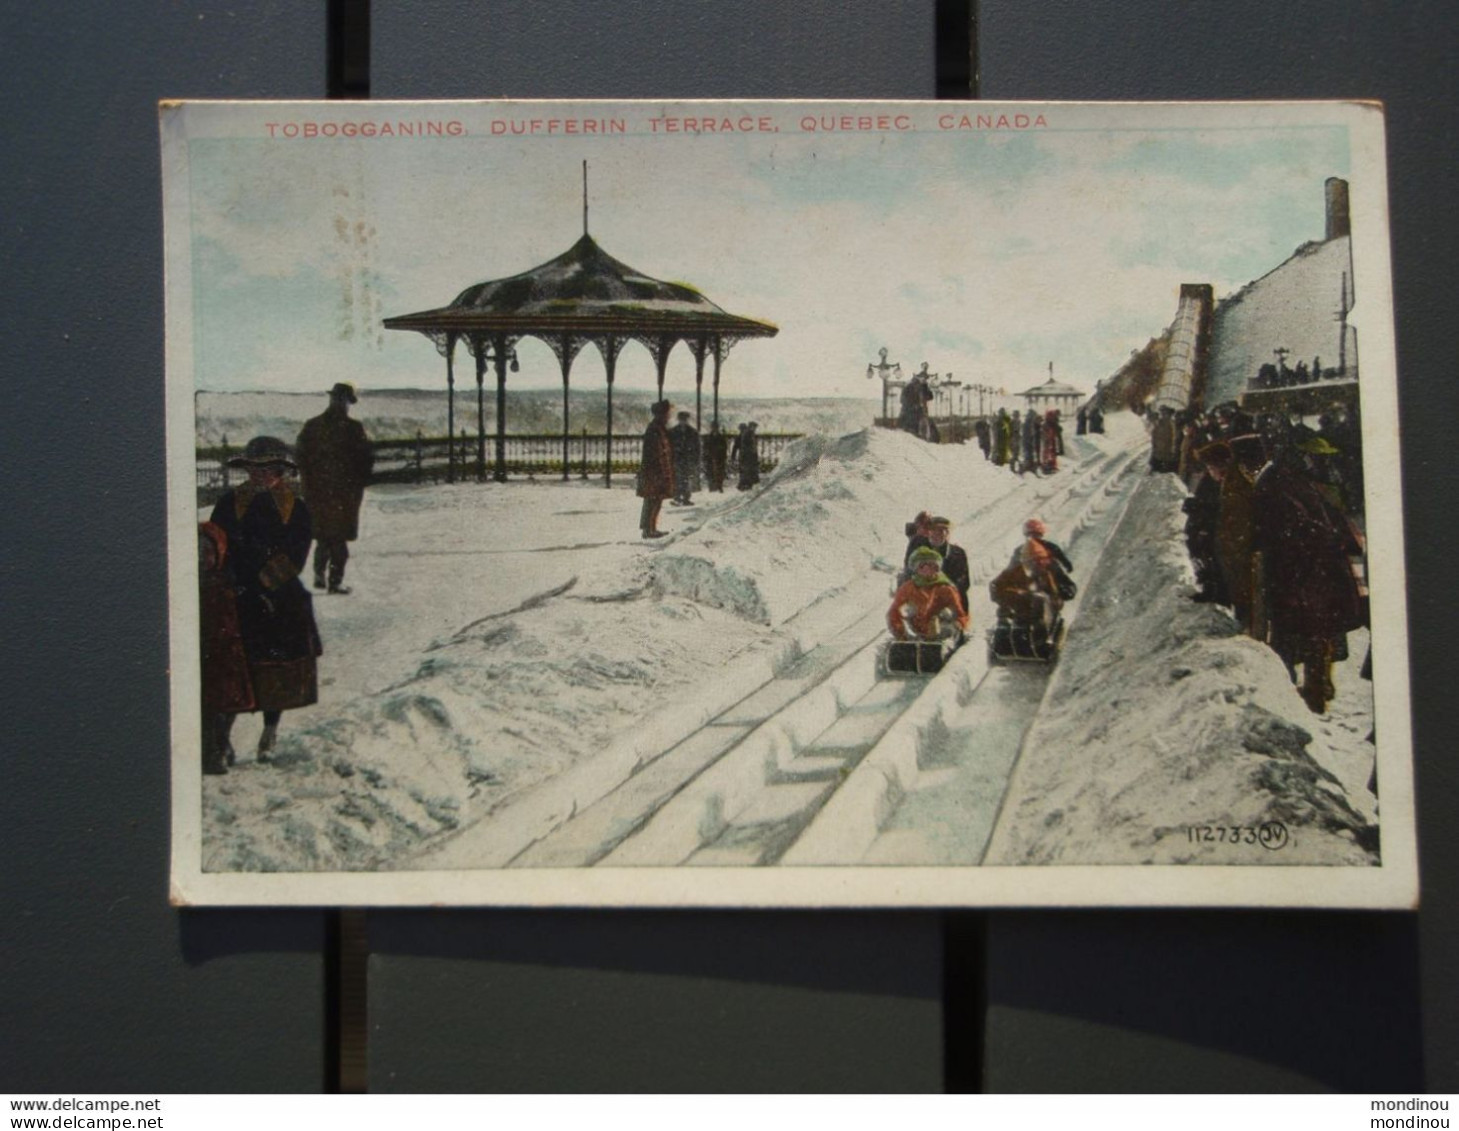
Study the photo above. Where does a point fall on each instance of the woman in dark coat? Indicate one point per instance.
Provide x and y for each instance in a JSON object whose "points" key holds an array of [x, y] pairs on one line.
{"points": [[268, 531], [227, 688], [655, 471]]}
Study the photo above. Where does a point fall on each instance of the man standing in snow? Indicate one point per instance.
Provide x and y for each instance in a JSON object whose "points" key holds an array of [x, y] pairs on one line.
{"points": [[655, 471], [716, 456], [335, 460], [684, 439]]}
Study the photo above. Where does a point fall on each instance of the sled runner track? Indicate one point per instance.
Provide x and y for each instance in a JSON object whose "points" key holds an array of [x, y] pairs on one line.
{"points": [[759, 776]]}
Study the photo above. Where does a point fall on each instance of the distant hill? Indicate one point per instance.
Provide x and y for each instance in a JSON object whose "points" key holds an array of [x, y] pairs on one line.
{"points": [[401, 413]]}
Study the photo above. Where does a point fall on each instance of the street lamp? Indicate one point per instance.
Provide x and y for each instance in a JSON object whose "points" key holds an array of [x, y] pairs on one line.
{"points": [[890, 373]]}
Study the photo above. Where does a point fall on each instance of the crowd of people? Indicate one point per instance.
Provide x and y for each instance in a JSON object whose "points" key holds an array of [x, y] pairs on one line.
{"points": [[1273, 526], [678, 461], [1022, 442]]}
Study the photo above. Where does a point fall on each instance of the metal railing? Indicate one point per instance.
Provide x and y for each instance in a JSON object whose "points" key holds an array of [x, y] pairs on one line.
{"points": [[435, 459]]}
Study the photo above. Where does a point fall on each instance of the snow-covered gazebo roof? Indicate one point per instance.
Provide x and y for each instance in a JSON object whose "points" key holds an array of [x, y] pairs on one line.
{"points": [[1052, 392], [583, 295]]}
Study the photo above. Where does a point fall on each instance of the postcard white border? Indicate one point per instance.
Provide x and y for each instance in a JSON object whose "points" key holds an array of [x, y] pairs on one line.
{"points": [[1391, 885]]}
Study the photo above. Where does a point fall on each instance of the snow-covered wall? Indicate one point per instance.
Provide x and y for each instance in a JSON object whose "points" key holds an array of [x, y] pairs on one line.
{"points": [[1295, 306]]}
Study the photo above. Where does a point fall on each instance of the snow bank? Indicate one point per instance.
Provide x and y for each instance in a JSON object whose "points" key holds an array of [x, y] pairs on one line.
{"points": [[499, 635], [1160, 717]]}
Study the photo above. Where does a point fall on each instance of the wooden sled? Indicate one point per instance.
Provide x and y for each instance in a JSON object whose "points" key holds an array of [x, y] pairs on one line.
{"points": [[919, 657], [1018, 642]]}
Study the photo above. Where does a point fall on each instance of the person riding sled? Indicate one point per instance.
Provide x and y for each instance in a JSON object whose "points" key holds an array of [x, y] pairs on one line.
{"points": [[927, 605]]}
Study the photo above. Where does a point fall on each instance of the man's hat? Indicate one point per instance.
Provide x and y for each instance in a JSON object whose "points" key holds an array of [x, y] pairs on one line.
{"points": [[265, 451], [346, 390], [684, 416], [938, 520]]}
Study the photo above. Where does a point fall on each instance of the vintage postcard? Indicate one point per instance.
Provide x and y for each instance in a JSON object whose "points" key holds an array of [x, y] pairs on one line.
{"points": [[784, 504]]}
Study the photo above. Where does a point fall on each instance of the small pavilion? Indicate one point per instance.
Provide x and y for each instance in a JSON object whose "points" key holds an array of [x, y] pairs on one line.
{"points": [[583, 296], [1053, 394]]}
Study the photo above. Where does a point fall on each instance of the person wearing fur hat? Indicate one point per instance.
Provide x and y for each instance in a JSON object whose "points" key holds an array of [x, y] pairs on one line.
{"points": [[335, 461], [924, 598], [655, 471], [268, 529]]}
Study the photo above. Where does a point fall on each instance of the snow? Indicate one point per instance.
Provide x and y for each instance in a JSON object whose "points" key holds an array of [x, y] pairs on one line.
{"points": [[502, 636], [1161, 717]]}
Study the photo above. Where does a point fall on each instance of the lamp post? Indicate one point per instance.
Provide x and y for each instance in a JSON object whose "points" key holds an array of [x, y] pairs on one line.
{"points": [[890, 373]]}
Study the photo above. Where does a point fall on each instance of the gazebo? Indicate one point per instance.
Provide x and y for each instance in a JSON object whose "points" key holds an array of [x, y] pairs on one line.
{"points": [[582, 296], [1052, 394]]}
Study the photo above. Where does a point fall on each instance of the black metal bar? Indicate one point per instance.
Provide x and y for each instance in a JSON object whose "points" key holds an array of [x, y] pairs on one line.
{"points": [[500, 475], [955, 24], [347, 62]]}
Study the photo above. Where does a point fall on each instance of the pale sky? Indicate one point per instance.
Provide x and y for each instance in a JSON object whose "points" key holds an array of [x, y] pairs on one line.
{"points": [[987, 253]]}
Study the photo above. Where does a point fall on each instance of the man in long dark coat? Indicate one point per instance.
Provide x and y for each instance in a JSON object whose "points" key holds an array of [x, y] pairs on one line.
{"points": [[655, 471], [335, 460], [716, 456], [684, 439], [268, 530]]}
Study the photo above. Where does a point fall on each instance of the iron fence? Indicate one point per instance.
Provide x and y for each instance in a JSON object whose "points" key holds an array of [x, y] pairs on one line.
{"points": [[435, 459]]}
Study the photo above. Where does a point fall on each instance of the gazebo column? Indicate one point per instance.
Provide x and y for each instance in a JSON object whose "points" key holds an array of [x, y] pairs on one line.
{"points": [[609, 346], [450, 408], [480, 351], [661, 346], [700, 346], [500, 348], [566, 347]]}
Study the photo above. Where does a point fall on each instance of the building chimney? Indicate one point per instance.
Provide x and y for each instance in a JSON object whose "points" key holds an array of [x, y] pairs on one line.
{"points": [[1338, 222]]}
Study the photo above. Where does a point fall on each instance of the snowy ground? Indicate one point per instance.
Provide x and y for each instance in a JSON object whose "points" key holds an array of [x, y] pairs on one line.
{"points": [[501, 634]]}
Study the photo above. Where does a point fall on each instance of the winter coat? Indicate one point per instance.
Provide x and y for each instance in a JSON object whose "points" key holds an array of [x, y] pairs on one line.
{"points": [[226, 686], [268, 534], [1308, 588], [716, 458], [1234, 532], [927, 601], [746, 453], [684, 440], [1053, 434], [335, 460], [954, 564], [1164, 443], [656, 470], [1002, 439]]}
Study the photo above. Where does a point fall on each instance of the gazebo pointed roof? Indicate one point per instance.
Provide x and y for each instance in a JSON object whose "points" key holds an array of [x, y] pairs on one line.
{"points": [[1052, 388], [582, 291]]}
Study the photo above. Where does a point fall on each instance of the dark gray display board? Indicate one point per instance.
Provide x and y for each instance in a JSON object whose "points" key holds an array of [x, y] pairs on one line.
{"points": [[103, 986]]}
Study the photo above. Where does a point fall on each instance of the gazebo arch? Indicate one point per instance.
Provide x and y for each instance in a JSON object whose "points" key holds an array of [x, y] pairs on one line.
{"points": [[583, 296]]}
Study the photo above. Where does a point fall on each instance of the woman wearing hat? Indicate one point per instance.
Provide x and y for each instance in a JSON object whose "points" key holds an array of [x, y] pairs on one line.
{"points": [[268, 532]]}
